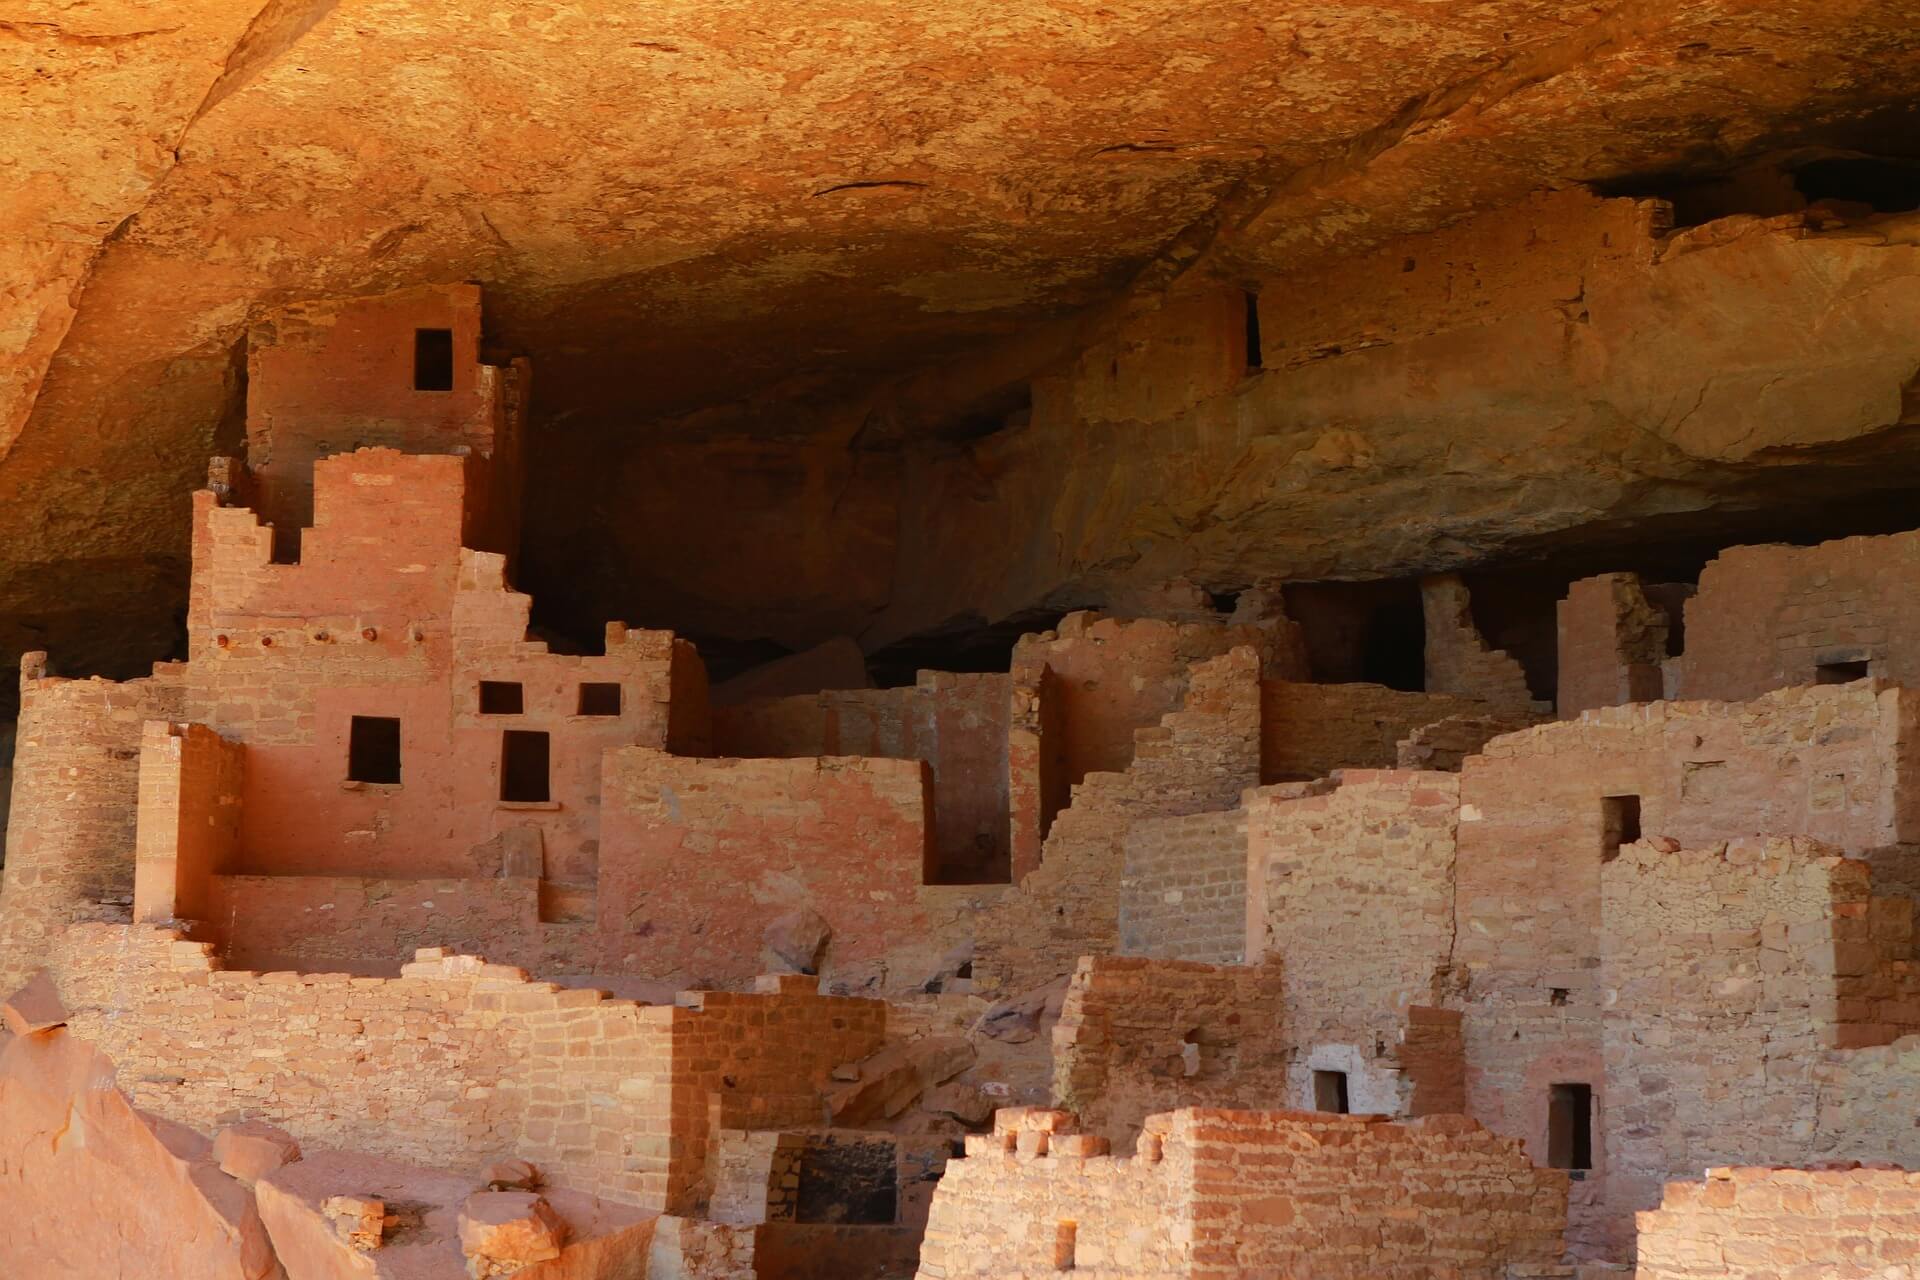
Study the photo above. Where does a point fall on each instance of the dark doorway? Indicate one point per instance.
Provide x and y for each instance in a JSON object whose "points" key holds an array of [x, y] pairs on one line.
{"points": [[1570, 1127], [373, 749], [524, 760], [1330, 1092], [433, 359]]}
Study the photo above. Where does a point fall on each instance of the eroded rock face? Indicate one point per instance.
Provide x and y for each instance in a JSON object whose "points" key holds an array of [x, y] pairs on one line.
{"points": [[94, 1188]]}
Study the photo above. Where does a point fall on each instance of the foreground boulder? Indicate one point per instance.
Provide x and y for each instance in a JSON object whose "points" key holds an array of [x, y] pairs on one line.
{"points": [[93, 1188]]}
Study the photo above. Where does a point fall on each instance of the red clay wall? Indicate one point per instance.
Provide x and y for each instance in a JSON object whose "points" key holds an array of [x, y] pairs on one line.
{"points": [[331, 377], [958, 724], [1612, 644], [1766, 617], [76, 792], [700, 856], [1138, 1036], [1228, 1194], [188, 829]]}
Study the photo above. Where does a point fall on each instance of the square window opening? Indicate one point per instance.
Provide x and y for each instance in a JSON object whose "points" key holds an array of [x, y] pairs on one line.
{"points": [[524, 760], [433, 359], [1570, 1126], [1330, 1092], [1619, 824], [373, 749], [502, 698], [1840, 672], [599, 699]]}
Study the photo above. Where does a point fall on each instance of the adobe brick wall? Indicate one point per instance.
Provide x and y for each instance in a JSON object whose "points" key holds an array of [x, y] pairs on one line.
{"points": [[1227, 1194], [1766, 616], [330, 377], [1350, 889], [1183, 892], [76, 790], [457, 1061], [1730, 970], [700, 856], [1458, 660], [1113, 677], [1827, 762], [1309, 730], [1197, 760], [958, 724], [1762, 1223], [188, 826], [1137, 1036], [1612, 645]]}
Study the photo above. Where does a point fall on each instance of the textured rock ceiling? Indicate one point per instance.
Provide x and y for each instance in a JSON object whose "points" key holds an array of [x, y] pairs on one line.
{"points": [[676, 206]]}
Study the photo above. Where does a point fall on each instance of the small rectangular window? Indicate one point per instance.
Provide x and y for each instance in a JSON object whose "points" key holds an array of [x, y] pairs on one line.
{"points": [[1253, 330], [524, 756], [1570, 1127], [599, 699], [501, 698], [1840, 672], [1619, 824], [433, 359], [1330, 1092], [373, 749]]}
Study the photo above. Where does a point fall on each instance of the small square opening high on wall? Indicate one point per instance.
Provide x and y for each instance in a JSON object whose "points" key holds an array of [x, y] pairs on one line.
{"points": [[373, 749], [1570, 1126], [524, 758], [1330, 1092], [502, 698], [598, 699], [433, 359], [1619, 824]]}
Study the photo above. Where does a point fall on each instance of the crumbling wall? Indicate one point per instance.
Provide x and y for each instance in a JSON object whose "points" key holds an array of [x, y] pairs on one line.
{"points": [[958, 724], [1183, 893], [1113, 678], [1350, 890], [1730, 969], [1457, 658], [1771, 616], [188, 826], [1197, 760], [1309, 730], [76, 793], [458, 1062], [1222, 1194], [1761, 1223], [1137, 1036], [700, 856], [1446, 744], [1612, 645], [1537, 824]]}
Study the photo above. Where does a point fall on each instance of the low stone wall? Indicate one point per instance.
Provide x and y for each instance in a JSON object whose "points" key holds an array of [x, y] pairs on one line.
{"points": [[1765, 1224], [1229, 1194]]}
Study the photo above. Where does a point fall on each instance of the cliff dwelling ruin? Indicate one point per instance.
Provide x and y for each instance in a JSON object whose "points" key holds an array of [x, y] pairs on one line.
{"points": [[910, 642]]}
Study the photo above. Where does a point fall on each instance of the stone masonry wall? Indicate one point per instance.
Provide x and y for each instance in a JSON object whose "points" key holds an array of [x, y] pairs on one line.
{"points": [[1350, 890], [1612, 644], [1197, 760], [701, 855], [457, 1061], [1137, 1036], [1826, 762], [958, 724], [1769, 616], [1227, 1194], [1183, 895], [1446, 744], [1458, 659], [1763, 1223], [76, 789], [1729, 971], [188, 827], [1309, 730]]}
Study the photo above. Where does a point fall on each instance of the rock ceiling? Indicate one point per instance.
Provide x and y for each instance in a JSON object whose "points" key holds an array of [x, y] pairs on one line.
{"points": [[675, 206]]}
